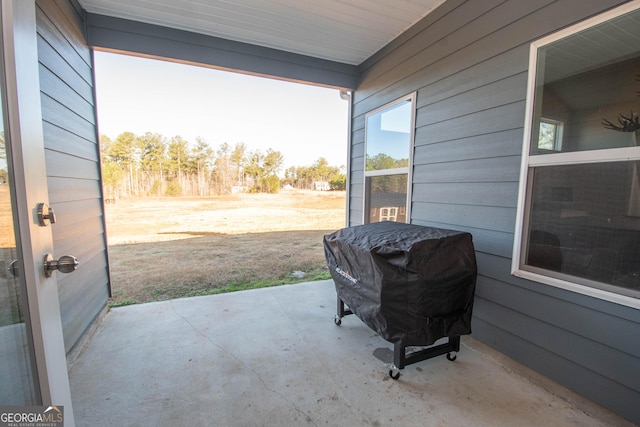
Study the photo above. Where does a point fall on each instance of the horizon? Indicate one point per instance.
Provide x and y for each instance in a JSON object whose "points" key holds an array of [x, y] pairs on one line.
{"points": [[303, 122]]}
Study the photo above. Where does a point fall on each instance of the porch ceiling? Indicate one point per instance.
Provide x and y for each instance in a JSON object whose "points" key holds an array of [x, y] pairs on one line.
{"points": [[346, 31]]}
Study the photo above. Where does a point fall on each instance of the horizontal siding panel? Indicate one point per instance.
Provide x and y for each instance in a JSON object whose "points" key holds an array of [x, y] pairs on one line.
{"points": [[357, 177], [70, 12], [501, 169], [525, 21], [83, 302], [65, 165], [499, 194], [598, 327], [479, 37], [502, 92], [87, 249], [500, 269], [434, 83], [498, 144], [80, 237], [82, 189], [438, 30], [78, 230], [492, 242], [50, 60], [503, 66], [68, 45], [78, 211], [70, 15], [587, 383], [57, 89], [58, 139], [484, 217], [357, 138], [357, 149], [355, 219], [357, 191], [86, 313], [357, 166], [61, 116], [71, 283], [454, 57], [357, 126], [87, 272], [620, 367], [505, 117]]}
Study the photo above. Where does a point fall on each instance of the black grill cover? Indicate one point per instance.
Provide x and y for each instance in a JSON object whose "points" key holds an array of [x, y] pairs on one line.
{"points": [[411, 284]]}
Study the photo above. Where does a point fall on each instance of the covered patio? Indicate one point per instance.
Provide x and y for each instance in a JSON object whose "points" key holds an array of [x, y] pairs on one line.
{"points": [[274, 357]]}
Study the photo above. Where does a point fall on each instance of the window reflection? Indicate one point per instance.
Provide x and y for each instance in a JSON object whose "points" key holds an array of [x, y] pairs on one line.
{"points": [[582, 213], [389, 136]]}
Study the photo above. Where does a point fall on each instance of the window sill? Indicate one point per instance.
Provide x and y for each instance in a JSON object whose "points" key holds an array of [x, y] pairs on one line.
{"points": [[625, 300]]}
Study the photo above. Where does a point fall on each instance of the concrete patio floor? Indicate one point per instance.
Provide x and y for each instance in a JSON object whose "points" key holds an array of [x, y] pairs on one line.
{"points": [[274, 357]]}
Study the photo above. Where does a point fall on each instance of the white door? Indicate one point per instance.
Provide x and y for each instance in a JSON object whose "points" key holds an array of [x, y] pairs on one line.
{"points": [[31, 338]]}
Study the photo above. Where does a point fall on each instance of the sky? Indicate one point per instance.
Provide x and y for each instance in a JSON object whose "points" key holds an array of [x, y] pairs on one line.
{"points": [[142, 95]]}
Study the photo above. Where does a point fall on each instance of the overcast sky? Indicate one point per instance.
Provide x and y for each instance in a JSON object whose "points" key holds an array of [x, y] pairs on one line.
{"points": [[143, 95]]}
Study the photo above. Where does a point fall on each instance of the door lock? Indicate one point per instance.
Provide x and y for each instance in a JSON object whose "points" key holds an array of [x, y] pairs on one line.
{"points": [[66, 264], [45, 215]]}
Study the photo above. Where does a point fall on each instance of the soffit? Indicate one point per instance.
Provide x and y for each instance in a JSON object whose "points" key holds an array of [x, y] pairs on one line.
{"points": [[346, 31]]}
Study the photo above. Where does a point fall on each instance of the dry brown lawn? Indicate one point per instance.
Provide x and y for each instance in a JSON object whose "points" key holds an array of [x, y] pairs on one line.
{"points": [[174, 247]]}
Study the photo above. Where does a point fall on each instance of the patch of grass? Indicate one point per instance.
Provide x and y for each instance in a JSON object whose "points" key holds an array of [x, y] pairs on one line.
{"points": [[113, 304], [265, 283], [218, 245], [168, 290]]}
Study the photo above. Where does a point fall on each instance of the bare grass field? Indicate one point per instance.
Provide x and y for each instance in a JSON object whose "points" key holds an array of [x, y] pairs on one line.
{"points": [[163, 248]]}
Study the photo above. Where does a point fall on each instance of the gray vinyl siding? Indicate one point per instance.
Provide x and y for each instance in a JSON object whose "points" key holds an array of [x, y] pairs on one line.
{"points": [[468, 61], [73, 164]]}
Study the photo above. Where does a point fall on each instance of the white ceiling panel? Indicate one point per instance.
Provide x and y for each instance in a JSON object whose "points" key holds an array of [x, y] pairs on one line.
{"points": [[347, 31]]}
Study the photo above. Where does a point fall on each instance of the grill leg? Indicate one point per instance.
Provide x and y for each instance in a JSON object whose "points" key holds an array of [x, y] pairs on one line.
{"points": [[341, 312], [401, 359]]}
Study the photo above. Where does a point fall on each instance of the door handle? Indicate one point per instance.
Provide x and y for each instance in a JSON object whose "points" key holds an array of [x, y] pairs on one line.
{"points": [[66, 264], [45, 215]]}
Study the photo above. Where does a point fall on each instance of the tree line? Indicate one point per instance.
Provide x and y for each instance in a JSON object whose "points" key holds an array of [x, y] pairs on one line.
{"points": [[153, 165]]}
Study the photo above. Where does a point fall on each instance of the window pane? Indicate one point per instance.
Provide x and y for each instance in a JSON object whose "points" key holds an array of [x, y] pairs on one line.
{"points": [[590, 82], [389, 137], [386, 198], [585, 222]]}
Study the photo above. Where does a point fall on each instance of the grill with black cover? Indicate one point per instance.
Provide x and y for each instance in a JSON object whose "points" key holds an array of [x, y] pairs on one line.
{"points": [[411, 284]]}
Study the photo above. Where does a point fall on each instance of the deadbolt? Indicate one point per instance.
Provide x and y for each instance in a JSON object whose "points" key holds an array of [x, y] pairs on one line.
{"points": [[45, 215], [66, 264]]}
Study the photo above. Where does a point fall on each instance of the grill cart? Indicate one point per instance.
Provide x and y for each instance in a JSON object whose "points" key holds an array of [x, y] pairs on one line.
{"points": [[413, 285]]}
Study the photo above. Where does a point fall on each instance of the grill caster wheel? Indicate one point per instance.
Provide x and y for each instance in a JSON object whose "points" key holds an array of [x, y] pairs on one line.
{"points": [[337, 320], [394, 373], [451, 356]]}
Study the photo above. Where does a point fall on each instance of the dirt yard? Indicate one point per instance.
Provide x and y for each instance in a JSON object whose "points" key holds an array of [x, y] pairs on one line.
{"points": [[173, 247]]}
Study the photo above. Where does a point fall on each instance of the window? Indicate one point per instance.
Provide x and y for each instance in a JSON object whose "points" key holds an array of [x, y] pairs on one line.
{"points": [[579, 208], [388, 157], [550, 135]]}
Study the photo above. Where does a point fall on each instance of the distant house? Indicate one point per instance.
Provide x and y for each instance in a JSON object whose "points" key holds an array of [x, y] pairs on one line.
{"points": [[512, 119], [321, 186]]}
